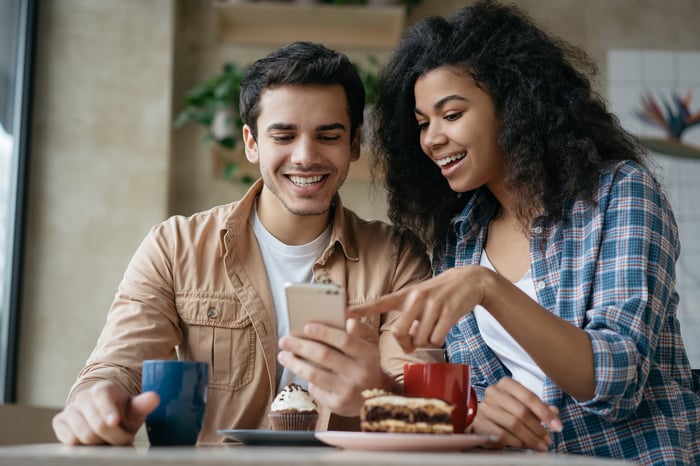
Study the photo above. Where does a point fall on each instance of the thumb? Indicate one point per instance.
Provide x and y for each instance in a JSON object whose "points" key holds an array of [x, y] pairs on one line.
{"points": [[358, 329], [140, 407], [382, 304], [555, 423]]}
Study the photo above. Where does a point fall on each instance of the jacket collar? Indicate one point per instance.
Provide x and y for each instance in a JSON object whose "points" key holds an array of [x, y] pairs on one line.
{"points": [[238, 219], [479, 210], [341, 233]]}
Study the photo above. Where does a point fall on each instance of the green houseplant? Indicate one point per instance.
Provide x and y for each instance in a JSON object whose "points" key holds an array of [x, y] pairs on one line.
{"points": [[213, 104]]}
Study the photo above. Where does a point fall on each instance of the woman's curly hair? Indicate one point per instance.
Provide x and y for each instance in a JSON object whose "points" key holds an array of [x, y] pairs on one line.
{"points": [[556, 134]]}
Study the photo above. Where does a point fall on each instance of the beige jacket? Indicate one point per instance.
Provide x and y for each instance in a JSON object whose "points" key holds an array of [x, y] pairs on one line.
{"points": [[197, 286]]}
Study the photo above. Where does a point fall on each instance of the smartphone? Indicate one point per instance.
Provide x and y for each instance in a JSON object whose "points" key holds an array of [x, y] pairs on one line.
{"points": [[314, 302]]}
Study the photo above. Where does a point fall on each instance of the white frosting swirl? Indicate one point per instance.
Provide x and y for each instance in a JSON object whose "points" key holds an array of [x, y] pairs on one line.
{"points": [[293, 397]]}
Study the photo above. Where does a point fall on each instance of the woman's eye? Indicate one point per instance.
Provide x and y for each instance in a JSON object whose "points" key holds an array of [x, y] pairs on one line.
{"points": [[453, 116], [422, 125]]}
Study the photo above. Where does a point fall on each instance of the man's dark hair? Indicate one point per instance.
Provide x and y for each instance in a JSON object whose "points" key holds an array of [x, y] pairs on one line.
{"points": [[304, 63]]}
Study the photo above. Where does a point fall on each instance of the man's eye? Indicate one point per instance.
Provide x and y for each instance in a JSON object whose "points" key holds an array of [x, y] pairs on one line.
{"points": [[329, 137], [282, 137]]}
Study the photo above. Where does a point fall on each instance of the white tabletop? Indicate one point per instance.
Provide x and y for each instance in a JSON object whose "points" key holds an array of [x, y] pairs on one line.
{"points": [[237, 455]]}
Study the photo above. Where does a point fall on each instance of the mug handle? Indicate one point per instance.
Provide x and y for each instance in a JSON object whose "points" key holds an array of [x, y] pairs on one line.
{"points": [[472, 407]]}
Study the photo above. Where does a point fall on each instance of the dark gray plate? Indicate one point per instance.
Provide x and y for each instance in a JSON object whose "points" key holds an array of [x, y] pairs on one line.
{"points": [[273, 437]]}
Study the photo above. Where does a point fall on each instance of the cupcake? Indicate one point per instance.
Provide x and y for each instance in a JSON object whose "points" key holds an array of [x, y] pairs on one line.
{"points": [[293, 409]]}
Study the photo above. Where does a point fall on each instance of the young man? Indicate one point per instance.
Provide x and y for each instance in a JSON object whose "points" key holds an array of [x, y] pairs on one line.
{"points": [[210, 287]]}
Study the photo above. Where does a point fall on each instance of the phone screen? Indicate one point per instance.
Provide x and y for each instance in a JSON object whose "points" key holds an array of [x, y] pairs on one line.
{"points": [[314, 302]]}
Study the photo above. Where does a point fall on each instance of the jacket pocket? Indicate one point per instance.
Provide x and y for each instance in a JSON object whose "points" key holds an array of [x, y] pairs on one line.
{"points": [[217, 330]]}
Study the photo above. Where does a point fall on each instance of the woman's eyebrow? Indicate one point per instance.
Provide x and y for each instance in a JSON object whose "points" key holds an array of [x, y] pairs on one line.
{"points": [[441, 103]]}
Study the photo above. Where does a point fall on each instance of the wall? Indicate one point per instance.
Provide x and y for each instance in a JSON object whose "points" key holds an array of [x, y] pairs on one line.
{"points": [[198, 55], [595, 26], [106, 163], [658, 73], [99, 170]]}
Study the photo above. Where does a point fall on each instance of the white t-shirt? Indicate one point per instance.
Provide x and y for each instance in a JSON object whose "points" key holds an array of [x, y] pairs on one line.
{"points": [[285, 263], [508, 351]]}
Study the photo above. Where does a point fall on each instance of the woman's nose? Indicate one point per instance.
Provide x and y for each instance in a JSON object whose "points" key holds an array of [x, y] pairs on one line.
{"points": [[433, 136]]}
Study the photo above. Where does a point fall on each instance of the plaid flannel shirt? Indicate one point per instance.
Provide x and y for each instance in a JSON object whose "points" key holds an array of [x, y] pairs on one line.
{"points": [[609, 269]]}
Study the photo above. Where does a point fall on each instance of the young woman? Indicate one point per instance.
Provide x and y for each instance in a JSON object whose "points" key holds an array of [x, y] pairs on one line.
{"points": [[554, 247]]}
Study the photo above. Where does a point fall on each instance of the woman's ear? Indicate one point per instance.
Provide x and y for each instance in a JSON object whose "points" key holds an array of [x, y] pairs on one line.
{"points": [[251, 145]]}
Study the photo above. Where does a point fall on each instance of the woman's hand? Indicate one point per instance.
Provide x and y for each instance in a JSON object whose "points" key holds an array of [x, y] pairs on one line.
{"points": [[513, 416], [430, 308]]}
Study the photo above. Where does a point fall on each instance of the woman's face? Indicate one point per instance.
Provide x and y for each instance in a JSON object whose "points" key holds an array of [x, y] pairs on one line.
{"points": [[459, 129]]}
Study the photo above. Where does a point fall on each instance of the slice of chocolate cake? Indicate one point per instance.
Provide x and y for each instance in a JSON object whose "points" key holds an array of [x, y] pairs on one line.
{"points": [[387, 412]]}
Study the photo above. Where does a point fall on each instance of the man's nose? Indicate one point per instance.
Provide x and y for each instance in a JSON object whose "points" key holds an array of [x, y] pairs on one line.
{"points": [[305, 152]]}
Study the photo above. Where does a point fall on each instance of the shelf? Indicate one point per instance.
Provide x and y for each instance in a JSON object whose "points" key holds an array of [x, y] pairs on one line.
{"points": [[275, 24], [671, 147]]}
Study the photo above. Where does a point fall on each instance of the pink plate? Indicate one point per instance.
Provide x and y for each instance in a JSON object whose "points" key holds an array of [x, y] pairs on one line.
{"points": [[400, 442]]}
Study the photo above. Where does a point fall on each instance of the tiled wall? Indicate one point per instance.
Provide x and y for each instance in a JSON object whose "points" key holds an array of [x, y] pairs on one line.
{"points": [[633, 73]]}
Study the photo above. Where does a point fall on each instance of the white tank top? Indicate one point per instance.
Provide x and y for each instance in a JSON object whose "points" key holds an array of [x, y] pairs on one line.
{"points": [[508, 351], [285, 263]]}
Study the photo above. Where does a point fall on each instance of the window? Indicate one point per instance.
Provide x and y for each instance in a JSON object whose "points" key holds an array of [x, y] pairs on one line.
{"points": [[17, 19]]}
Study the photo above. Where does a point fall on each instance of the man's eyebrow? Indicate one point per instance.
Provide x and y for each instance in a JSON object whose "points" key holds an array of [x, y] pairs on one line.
{"points": [[280, 126], [441, 103], [330, 127], [290, 127]]}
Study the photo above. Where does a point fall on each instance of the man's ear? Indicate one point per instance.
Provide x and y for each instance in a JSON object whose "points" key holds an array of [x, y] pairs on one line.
{"points": [[356, 145], [251, 145]]}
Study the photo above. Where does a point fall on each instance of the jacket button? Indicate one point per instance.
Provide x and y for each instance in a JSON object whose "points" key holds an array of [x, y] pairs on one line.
{"points": [[537, 230], [541, 285], [212, 313]]}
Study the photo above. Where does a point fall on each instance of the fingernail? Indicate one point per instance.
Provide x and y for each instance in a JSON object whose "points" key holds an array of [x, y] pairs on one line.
{"points": [[556, 425], [282, 356], [111, 417], [541, 446]]}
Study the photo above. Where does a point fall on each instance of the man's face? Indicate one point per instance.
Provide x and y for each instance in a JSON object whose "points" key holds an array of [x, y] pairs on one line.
{"points": [[304, 148]]}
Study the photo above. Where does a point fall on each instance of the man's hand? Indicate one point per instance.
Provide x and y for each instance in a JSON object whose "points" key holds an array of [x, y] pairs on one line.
{"points": [[344, 363], [103, 414], [513, 416]]}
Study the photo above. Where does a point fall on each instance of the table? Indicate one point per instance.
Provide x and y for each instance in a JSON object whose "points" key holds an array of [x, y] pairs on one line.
{"points": [[239, 455]]}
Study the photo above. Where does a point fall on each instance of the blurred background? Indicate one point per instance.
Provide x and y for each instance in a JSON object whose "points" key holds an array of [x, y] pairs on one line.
{"points": [[105, 162]]}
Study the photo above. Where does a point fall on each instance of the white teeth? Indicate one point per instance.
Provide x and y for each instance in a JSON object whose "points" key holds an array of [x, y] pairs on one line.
{"points": [[452, 158], [305, 180]]}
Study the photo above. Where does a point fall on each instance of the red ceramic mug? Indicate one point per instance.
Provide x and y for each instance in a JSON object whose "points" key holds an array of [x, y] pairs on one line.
{"points": [[447, 381]]}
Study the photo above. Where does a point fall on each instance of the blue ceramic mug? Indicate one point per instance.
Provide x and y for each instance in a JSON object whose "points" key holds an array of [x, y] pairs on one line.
{"points": [[182, 387]]}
